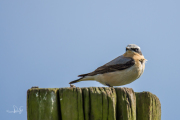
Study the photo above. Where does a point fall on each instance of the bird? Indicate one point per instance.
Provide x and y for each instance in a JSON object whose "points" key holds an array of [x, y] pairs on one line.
{"points": [[120, 71]]}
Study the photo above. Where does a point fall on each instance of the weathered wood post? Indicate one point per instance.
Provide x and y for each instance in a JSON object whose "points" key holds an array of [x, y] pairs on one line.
{"points": [[93, 103]]}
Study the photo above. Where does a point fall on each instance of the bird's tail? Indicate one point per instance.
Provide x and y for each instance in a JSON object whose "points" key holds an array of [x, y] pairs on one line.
{"points": [[75, 81], [82, 79]]}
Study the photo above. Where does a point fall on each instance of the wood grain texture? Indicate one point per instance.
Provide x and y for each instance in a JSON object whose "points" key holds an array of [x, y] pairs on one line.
{"points": [[148, 106], [126, 104], [43, 104], [102, 103], [93, 103], [71, 103]]}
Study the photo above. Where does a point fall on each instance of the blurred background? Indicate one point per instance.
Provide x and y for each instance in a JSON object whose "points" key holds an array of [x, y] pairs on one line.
{"points": [[48, 43]]}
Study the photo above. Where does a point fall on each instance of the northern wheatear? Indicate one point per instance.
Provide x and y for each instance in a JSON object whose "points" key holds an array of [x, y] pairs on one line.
{"points": [[120, 71]]}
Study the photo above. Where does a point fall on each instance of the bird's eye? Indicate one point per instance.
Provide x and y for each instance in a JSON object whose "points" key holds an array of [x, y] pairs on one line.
{"points": [[136, 50]]}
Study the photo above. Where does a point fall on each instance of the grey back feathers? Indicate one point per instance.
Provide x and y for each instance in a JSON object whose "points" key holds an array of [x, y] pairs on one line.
{"points": [[119, 60]]}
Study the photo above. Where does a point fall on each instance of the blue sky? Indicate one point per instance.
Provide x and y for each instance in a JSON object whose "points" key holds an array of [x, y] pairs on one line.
{"points": [[48, 43]]}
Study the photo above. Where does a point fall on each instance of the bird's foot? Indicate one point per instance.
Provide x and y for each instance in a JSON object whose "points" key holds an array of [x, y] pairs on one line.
{"points": [[72, 86], [108, 85]]}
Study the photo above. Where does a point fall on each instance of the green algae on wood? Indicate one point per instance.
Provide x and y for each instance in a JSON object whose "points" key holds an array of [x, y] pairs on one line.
{"points": [[111, 95], [42, 104], [94, 103], [71, 103], [126, 104], [86, 103], [102, 103], [148, 106]]}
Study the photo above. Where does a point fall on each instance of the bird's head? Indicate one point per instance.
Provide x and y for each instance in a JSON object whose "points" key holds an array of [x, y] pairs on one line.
{"points": [[132, 48]]}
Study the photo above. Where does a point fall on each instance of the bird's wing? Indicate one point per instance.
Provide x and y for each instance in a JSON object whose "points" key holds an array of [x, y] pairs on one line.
{"points": [[119, 63], [119, 60]]}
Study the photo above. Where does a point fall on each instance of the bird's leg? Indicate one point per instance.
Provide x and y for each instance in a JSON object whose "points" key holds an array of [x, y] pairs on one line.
{"points": [[72, 86], [108, 85]]}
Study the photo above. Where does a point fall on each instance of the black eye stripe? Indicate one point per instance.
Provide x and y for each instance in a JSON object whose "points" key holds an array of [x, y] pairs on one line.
{"points": [[135, 49]]}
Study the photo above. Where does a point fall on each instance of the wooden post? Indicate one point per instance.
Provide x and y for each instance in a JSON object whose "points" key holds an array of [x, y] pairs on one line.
{"points": [[71, 103], [148, 106], [126, 104], [43, 104], [93, 103]]}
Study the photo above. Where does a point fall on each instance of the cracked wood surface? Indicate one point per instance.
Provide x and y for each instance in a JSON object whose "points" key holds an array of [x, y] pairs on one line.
{"points": [[93, 103]]}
